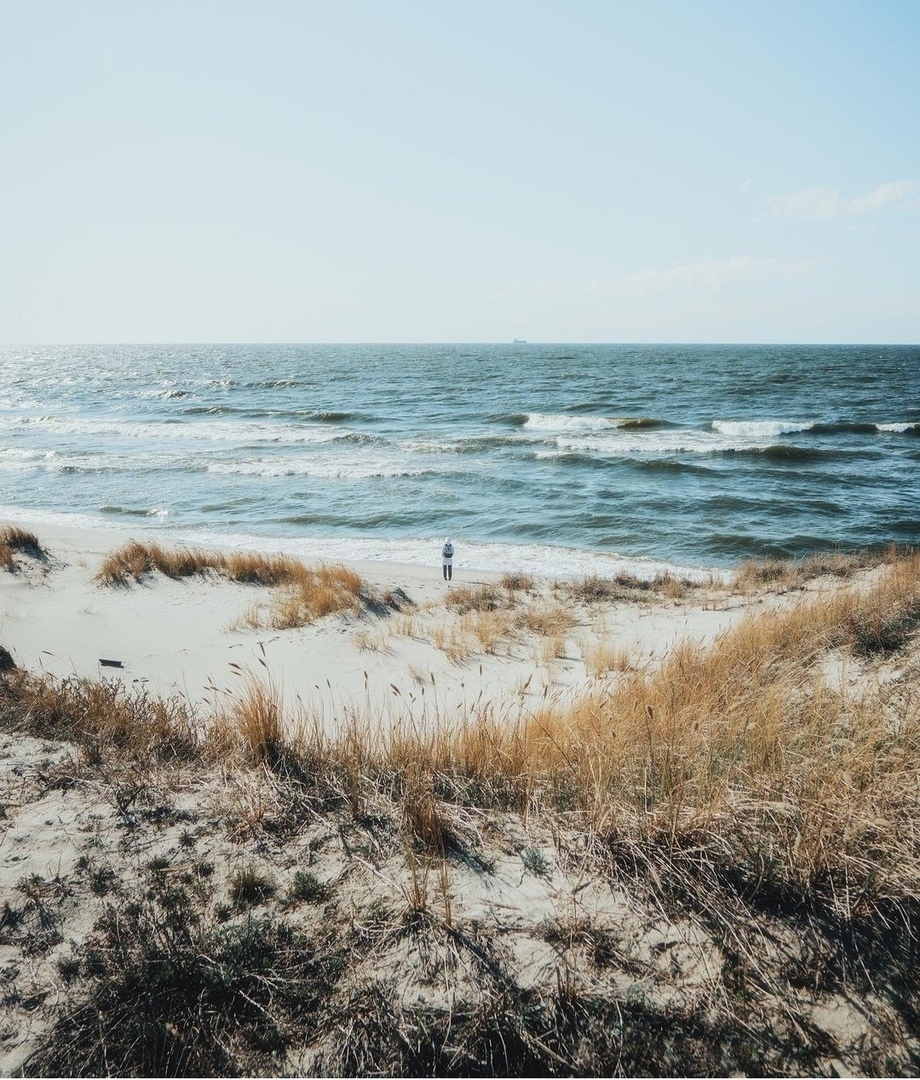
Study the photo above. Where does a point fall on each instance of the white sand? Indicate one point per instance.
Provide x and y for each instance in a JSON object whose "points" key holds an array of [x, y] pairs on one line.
{"points": [[185, 636], [64, 819]]}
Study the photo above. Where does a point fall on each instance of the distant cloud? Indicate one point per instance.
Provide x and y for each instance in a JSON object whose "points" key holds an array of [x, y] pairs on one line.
{"points": [[825, 202]]}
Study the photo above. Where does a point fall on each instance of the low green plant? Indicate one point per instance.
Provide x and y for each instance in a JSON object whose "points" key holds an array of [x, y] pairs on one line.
{"points": [[249, 887], [166, 998], [535, 862], [307, 888], [103, 880]]}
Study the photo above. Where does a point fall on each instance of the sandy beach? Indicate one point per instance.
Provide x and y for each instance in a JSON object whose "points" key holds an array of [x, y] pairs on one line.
{"points": [[189, 637], [561, 826]]}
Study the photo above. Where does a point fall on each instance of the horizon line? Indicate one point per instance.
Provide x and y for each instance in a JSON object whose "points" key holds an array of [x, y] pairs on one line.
{"points": [[518, 341]]}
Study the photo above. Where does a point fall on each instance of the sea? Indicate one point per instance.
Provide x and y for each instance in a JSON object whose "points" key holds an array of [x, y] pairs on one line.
{"points": [[549, 459]]}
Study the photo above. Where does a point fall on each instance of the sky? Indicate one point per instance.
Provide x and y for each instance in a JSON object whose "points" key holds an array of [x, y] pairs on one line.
{"points": [[396, 171]]}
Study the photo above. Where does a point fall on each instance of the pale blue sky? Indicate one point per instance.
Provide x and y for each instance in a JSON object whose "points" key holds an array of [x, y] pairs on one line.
{"points": [[706, 170]]}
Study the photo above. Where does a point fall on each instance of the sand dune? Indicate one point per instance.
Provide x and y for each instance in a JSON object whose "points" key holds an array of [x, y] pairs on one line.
{"points": [[191, 636], [509, 827]]}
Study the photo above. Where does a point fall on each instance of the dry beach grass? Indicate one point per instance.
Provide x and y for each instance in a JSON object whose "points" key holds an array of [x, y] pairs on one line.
{"points": [[16, 541], [703, 865], [303, 593]]}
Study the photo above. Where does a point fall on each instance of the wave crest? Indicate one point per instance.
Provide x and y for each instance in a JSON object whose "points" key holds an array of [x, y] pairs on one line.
{"points": [[567, 422], [338, 468], [900, 429], [760, 429]]}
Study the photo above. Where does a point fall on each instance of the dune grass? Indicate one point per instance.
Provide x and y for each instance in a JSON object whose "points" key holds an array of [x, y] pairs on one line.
{"points": [[101, 715], [303, 594], [754, 574], [741, 748], [312, 594], [597, 589], [743, 739], [601, 658], [495, 615], [467, 598], [739, 784], [516, 581], [13, 541], [174, 998], [748, 720], [135, 560]]}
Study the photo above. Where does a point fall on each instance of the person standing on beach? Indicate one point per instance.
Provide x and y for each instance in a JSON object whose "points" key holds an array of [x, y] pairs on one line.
{"points": [[447, 559]]}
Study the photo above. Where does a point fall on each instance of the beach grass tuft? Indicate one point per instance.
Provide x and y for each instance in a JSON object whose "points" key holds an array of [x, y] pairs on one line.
{"points": [[101, 715], [134, 560], [311, 594], [466, 598], [747, 720], [777, 573], [13, 541], [549, 618], [516, 581], [303, 594], [602, 657], [254, 718], [597, 589]]}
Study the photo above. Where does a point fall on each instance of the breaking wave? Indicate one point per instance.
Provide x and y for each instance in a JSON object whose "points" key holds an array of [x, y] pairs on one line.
{"points": [[760, 429], [129, 511], [243, 432], [569, 422], [900, 429]]}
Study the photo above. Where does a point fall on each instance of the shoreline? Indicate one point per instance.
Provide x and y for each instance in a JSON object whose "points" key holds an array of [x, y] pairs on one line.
{"points": [[485, 557]]}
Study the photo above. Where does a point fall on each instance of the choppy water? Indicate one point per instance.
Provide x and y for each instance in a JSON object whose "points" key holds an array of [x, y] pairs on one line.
{"points": [[549, 458]]}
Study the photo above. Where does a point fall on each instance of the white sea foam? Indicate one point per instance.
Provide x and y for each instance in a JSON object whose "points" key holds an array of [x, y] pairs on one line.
{"points": [[471, 443], [63, 518], [431, 446], [898, 429], [217, 430], [23, 453], [760, 429], [21, 459], [565, 422], [329, 468], [723, 436], [17, 464], [669, 441]]}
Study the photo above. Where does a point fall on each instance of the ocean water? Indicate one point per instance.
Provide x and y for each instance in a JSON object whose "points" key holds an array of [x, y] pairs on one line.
{"points": [[562, 459]]}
